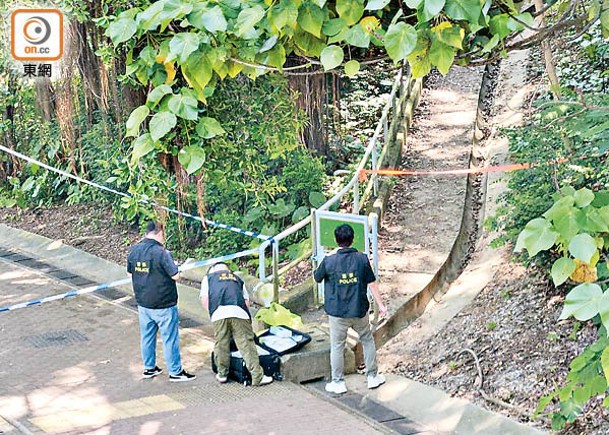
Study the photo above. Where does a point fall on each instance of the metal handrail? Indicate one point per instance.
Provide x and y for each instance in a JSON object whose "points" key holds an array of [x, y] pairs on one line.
{"points": [[352, 184]]}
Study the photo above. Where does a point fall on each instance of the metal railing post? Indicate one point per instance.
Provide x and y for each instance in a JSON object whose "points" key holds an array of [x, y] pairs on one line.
{"points": [[356, 195], [275, 247], [375, 166], [261, 262]]}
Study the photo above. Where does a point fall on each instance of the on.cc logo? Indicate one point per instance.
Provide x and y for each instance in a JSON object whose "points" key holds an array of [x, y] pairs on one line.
{"points": [[37, 30], [37, 34]]}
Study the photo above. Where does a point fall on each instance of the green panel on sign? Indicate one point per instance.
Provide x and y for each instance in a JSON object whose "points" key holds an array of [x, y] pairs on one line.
{"points": [[326, 232]]}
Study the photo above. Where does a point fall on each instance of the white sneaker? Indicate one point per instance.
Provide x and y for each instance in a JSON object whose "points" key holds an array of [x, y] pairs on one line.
{"points": [[336, 387], [265, 380], [375, 381], [221, 379]]}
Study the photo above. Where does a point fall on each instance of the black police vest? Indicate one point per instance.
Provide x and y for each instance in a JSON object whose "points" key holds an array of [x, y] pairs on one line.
{"points": [[345, 292], [225, 288], [152, 285]]}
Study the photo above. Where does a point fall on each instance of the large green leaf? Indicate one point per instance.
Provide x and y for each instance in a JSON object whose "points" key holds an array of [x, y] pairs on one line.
{"points": [[157, 94], [431, 8], [334, 26], [357, 36], [175, 9], [198, 73], [269, 43], [161, 124], [121, 30], [583, 247], [191, 158], [451, 35], [275, 57], [562, 270], [594, 220], [400, 40], [209, 127], [309, 44], [582, 302], [300, 213], [375, 5], [351, 68], [601, 198], [350, 10], [183, 45], [538, 235], [413, 4], [583, 197], [605, 362], [210, 19], [148, 55], [281, 208], [603, 309], [184, 106], [499, 25], [467, 10], [247, 19], [150, 18], [442, 56], [331, 57], [311, 18], [141, 146], [283, 14], [559, 208], [568, 224], [316, 199], [135, 120]]}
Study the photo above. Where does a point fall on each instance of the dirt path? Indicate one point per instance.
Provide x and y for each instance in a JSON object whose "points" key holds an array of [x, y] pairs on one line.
{"points": [[511, 326], [424, 212]]}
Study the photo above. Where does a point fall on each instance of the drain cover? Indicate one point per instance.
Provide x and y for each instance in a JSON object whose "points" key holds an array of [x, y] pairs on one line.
{"points": [[66, 337]]}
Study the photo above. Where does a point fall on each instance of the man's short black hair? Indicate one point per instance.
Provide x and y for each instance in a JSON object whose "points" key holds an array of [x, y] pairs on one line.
{"points": [[154, 227], [344, 235]]}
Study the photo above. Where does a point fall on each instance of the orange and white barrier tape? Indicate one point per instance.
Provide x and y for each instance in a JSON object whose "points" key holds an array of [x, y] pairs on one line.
{"points": [[363, 175]]}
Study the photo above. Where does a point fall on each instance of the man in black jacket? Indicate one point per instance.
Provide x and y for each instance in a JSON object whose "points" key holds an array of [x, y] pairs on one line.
{"points": [[224, 295], [347, 274], [154, 275]]}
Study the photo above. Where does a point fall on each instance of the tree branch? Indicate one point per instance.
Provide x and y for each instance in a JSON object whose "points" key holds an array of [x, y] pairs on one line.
{"points": [[485, 396]]}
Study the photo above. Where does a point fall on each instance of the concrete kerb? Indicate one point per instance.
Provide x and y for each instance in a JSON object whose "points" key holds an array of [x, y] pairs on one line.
{"points": [[436, 410]]}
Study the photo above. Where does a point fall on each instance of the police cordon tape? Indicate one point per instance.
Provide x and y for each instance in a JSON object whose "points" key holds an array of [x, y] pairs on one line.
{"points": [[363, 175], [124, 281], [142, 201]]}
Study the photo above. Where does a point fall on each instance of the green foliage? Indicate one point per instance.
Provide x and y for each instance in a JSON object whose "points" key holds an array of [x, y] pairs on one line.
{"points": [[587, 378], [576, 226], [191, 46], [257, 175], [531, 191]]}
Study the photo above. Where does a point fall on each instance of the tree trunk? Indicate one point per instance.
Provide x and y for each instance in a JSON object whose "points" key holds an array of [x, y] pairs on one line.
{"points": [[13, 164], [547, 54], [64, 93], [45, 99], [311, 91]]}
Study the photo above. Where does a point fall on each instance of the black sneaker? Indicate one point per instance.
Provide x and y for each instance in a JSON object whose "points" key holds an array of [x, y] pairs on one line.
{"points": [[183, 376], [151, 373]]}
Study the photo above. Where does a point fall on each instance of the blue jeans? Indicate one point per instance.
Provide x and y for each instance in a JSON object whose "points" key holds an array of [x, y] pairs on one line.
{"points": [[165, 320]]}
